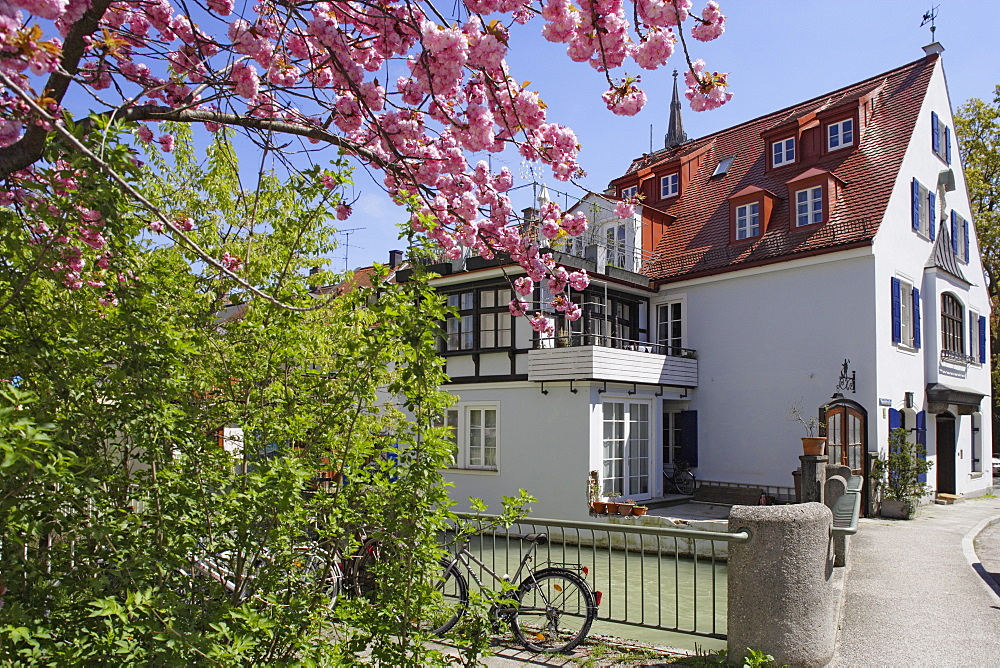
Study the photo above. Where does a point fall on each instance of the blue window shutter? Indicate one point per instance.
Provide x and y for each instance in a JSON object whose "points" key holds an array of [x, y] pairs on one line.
{"points": [[982, 339], [922, 441], [965, 237], [947, 144], [894, 419], [916, 318], [935, 132], [915, 204], [931, 213], [954, 234], [897, 326], [689, 437]]}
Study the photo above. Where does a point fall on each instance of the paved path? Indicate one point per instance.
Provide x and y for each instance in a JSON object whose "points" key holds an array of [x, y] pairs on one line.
{"points": [[914, 594]]}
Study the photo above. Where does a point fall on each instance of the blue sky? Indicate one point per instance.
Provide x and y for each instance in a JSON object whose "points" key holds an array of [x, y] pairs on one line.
{"points": [[777, 52]]}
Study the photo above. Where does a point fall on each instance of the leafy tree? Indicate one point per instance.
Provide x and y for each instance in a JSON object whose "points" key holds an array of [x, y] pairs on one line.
{"points": [[113, 479], [977, 125]]}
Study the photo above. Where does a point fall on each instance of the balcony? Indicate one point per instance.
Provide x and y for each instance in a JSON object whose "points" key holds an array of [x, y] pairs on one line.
{"points": [[596, 357]]}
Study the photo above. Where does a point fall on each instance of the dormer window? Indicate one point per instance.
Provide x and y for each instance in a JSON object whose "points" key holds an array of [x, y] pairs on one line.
{"points": [[750, 211], [723, 167], [812, 196], [783, 152], [670, 185], [809, 206], [839, 135], [747, 221], [629, 192]]}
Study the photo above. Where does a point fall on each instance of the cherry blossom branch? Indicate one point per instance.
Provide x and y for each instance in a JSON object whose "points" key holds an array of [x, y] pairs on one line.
{"points": [[176, 231]]}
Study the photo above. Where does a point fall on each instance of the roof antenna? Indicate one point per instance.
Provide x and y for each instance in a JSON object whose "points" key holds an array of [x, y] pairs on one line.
{"points": [[929, 17]]}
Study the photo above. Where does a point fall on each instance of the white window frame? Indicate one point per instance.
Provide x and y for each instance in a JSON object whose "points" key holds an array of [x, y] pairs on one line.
{"points": [[837, 134], [974, 336], [783, 152], [460, 418], [671, 435], [671, 332], [925, 214], [629, 192], [959, 243], [615, 236], [813, 202], [629, 443], [670, 185], [747, 220], [906, 328]]}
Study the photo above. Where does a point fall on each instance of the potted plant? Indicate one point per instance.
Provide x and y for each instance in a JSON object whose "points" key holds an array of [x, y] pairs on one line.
{"points": [[611, 507], [896, 478], [597, 504], [625, 508], [811, 444], [640, 510]]}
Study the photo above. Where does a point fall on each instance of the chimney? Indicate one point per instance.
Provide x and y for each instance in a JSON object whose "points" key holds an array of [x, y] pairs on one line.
{"points": [[933, 47], [395, 258]]}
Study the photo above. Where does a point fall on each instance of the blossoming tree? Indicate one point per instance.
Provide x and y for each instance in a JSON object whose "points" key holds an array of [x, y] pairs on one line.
{"points": [[396, 84]]}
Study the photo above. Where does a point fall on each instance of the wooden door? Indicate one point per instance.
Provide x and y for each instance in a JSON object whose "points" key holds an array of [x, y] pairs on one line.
{"points": [[945, 464], [846, 438]]}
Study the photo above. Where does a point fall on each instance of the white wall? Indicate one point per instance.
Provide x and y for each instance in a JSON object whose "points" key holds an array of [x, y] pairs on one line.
{"points": [[544, 448], [766, 337], [902, 252]]}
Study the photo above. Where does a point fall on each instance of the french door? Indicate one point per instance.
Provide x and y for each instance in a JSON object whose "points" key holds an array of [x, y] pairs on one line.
{"points": [[626, 449]]}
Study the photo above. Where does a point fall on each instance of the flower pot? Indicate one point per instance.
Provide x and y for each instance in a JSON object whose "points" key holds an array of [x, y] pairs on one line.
{"points": [[640, 510], [599, 507], [611, 508], [897, 510], [625, 509], [813, 445]]}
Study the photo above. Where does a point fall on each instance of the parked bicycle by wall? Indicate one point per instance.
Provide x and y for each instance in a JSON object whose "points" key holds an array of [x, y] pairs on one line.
{"points": [[679, 478], [550, 610]]}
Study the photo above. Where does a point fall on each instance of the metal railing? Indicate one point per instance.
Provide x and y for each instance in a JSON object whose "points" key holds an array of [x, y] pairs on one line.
{"points": [[606, 341], [669, 579]]}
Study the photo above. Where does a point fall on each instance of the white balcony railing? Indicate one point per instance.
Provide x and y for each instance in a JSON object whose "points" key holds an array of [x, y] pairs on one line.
{"points": [[616, 360]]}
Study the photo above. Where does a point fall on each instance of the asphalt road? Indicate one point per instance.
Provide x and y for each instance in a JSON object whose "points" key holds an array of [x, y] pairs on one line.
{"points": [[915, 593]]}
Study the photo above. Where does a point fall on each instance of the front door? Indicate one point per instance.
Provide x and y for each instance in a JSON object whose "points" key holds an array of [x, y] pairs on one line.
{"points": [[846, 435], [945, 423]]}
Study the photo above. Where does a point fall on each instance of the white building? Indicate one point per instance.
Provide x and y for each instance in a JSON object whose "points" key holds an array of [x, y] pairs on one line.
{"points": [[824, 249]]}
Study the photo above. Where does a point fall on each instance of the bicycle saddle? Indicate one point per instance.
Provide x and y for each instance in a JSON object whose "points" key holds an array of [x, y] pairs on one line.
{"points": [[537, 538]]}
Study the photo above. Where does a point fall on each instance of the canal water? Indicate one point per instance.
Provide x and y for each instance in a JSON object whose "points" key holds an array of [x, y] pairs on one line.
{"points": [[642, 593]]}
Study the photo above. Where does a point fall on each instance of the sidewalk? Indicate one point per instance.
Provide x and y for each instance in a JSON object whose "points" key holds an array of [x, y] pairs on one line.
{"points": [[914, 595]]}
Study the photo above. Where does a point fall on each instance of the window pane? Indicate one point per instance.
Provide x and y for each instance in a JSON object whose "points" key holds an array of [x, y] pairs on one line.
{"points": [[503, 297], [487, 298], [467, 302]]}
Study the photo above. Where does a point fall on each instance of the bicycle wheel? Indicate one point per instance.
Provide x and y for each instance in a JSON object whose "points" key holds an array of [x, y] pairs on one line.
{"points": [[444, 613], [554, 611], [321, 570], [364, 581], [684, 482]]}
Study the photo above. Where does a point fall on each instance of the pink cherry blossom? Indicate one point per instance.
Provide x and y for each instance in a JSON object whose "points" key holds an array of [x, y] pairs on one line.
{"points": [[625, 209], [524, 286], [166, 143]]}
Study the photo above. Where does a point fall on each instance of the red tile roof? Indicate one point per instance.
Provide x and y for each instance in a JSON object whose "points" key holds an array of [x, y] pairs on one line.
{"points": [[698, 241]]}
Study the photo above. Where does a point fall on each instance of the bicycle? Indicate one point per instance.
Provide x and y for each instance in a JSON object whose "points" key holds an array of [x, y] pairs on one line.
{"points": [[551, 610], [680, 478]]}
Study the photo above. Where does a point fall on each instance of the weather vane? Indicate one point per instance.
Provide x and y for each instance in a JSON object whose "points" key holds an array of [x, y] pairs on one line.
{"points": [[929, 17]]}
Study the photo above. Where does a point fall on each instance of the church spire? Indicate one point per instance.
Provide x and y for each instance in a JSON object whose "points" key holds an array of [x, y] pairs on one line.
{"points": [[675, 130]]}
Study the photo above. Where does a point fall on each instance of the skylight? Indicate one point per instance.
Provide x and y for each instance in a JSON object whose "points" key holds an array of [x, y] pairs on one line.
{"points": [[723, 166]]}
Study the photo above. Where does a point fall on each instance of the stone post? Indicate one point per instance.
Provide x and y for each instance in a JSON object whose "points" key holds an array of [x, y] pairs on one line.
{"points": [[838, 469], [836, 487], [781, 598], [813, 477]]}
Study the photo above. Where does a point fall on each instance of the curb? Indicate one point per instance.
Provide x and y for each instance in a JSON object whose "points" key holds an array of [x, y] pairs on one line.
{"points": [[969, 550]]}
